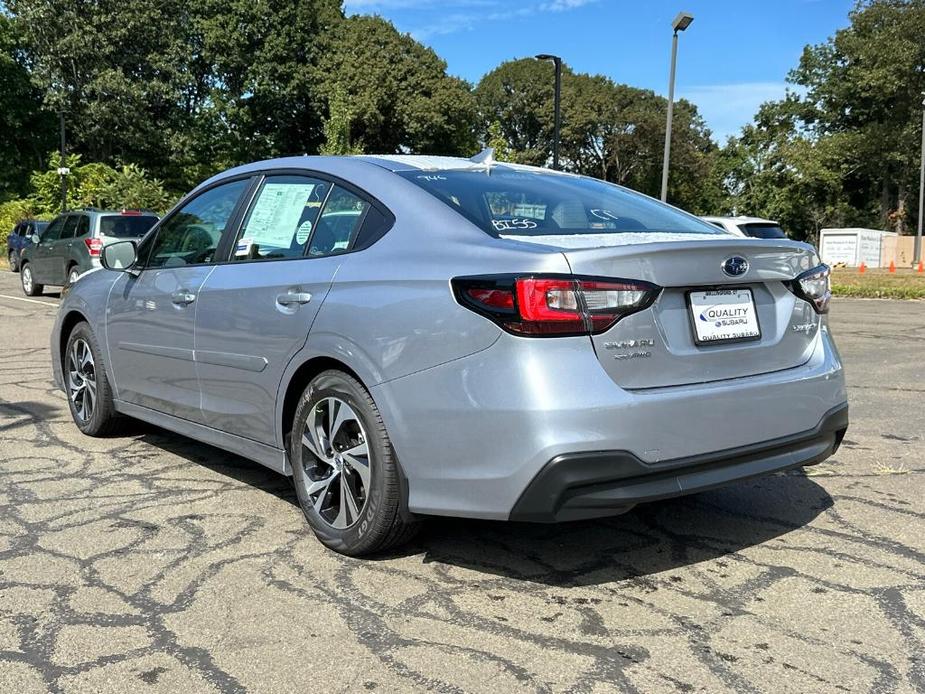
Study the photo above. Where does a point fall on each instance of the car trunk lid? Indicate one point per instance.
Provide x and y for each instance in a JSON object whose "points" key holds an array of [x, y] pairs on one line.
{"points": [[657, 347]]}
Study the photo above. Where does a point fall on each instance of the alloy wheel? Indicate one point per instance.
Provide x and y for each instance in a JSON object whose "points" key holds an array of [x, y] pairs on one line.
{"points": [[338, 464], [72, 277], [27, 280], [81, 379], [13, 261]]}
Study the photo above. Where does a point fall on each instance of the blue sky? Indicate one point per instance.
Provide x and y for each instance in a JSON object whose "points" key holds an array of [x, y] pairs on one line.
{"points": [[734, 56]]}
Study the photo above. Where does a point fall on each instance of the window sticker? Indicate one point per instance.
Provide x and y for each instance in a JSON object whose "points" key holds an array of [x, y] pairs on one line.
{"points": [[305, 230], [277, 213]]}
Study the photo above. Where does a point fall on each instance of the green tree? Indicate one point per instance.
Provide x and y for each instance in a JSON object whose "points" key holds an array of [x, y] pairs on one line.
{"points": [[23, 123], [610, 131], [96, 185], [400, 96], [519, 95], [497, 141], [337, 126]]}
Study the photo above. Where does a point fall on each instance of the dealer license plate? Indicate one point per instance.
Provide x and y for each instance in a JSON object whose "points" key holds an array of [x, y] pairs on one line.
{"points": [[723, 315]]}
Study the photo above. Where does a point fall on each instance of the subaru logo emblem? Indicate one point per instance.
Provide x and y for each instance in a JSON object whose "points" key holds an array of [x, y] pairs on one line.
{"points": [[735, 266]]}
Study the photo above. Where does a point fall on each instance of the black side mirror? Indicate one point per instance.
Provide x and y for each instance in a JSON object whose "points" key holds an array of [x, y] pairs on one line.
{"points": [[119, 256]]}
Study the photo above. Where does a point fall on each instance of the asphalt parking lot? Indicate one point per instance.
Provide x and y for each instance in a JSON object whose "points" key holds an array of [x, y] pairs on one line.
{"points": [[149, 562]]}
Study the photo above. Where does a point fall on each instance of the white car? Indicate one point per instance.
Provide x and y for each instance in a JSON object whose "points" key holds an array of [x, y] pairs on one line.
{"points": [[753, 227]]}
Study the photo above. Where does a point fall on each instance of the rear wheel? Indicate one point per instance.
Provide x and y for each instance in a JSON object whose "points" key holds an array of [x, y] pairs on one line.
{"points": [[72, 274], [89, 395], [14, 261], [29, 286], [344, 468]]}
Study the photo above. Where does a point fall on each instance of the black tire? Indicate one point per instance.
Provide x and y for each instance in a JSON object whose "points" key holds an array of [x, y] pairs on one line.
{"points": [[14, 261], [380, 523], [102, 419], [29, 287], [70, 270]]}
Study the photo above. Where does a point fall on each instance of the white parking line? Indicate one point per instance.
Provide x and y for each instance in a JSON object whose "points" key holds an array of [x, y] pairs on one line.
{"points": [[31, 301]]}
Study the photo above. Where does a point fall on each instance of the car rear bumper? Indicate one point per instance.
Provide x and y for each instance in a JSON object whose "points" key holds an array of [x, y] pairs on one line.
{"points": [[602, 483], [473, 434]]}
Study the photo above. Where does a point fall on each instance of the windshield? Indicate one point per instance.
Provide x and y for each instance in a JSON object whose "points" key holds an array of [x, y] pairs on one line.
{"points": [[126, 226], [763, 231], [511, 203]]}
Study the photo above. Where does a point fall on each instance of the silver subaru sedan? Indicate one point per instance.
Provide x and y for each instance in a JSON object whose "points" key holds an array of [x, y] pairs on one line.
{"points": [[410, 336]]}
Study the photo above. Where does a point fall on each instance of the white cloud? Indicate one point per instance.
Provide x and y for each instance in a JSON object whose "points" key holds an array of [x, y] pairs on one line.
{"points": [[726, 108], [436, 17], [563, 5]]}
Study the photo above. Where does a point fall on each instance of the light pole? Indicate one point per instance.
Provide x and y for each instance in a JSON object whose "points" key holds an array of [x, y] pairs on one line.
{"points": [[555, 144], [63, 171], [917, 248], [680, 23]]}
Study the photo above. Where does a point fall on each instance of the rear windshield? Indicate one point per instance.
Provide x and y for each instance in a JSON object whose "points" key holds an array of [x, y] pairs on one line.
{"points": [[763, 231], [510, 203], [126, 226]]}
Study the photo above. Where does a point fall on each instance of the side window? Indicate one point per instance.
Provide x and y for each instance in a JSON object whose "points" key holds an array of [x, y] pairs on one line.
{"points": [[83, 226], [339, 223], [53, 232], [376, 224], [282, 218], [191, 235], [70, 226]]}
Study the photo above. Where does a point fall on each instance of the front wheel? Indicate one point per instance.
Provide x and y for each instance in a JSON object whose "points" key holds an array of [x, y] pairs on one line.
{"points": [[29, 286], [344, 469]]}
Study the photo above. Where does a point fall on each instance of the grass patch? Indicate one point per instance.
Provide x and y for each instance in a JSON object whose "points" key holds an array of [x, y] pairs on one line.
{"points": [[878, 284]]}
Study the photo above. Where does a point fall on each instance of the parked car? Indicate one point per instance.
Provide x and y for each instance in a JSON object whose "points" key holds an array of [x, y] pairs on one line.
{"points": [[71, 245], [410, 336], [20, 237], [754, 227]]}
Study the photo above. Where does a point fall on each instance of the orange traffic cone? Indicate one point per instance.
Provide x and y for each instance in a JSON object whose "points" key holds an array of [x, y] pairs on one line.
{"points": [[892, 266], [921, 267], [862, 268]]}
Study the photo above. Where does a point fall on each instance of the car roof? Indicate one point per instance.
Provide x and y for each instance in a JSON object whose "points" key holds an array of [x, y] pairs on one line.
{"points": [[355, 164], [738, 220]]}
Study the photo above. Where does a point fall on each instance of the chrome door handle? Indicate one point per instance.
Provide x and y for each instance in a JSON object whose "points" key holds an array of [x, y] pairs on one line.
{"points": [[291, 298], [182, 297]]}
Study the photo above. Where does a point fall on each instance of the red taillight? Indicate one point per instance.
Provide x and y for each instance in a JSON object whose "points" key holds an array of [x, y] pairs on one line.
{"points": [[548, 307], [554, 306], [496, 298], [94, 246]]}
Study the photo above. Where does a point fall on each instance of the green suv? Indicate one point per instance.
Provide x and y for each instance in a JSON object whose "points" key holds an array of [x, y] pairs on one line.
{"points": [[71, 245]]}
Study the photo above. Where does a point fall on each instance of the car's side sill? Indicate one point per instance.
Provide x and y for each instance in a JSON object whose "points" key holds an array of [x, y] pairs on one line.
{"points": [[272, 457]]}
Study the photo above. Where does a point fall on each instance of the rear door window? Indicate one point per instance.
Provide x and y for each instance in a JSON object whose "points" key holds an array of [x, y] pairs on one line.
{"points": [[282, 218], [53, 232], [70, 227], [83, 226], [340, 221]]}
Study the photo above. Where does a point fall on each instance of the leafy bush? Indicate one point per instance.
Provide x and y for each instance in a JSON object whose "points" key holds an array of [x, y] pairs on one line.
{"points": [[97, 185], [11, 213]]}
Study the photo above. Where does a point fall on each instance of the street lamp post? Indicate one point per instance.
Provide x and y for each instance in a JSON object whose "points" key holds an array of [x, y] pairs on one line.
{"points": [[555, 144], [63, 171], [917, 248], [680, 23]]}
